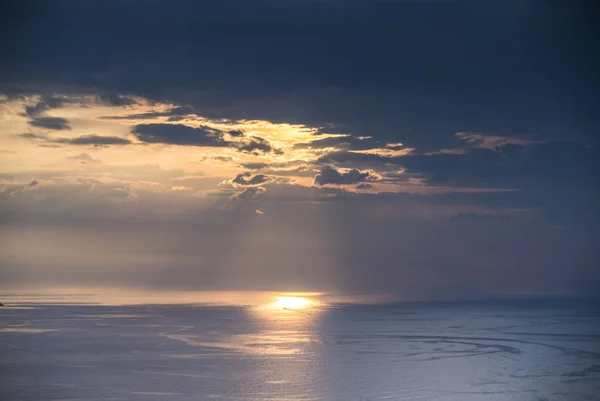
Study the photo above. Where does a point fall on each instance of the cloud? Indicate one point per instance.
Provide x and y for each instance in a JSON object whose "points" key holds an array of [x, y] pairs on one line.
{"points": [[123, 194], [116, 100], [15, 190], [490, 141], [510, 164], [330, 175], [85, 158], [256, 145], [507, 166], [364, 186], [95, 140], [247, 194], [174, 113], [46, 103], [237, 133], [32, 136], [218, 158], [425, 101], [180, 188], [255, 165], [54, 123], [179, 134], [32, 185], [248, 179]]}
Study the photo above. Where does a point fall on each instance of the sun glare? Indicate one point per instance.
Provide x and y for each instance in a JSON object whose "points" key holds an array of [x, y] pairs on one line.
{"points": [[292, 302]]}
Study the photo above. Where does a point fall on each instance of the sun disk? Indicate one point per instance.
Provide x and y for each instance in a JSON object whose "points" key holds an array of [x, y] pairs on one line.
{"points": [[292, 302]]}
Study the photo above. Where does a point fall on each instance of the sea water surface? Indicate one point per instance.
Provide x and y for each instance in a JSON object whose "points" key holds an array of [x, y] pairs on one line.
{"points": [[503, 350]]}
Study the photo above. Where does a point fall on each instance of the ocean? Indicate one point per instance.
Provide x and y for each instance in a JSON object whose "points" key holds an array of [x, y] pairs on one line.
{"points": [[497, 350]]}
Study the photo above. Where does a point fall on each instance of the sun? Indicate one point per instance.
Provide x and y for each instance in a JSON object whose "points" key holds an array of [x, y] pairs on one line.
{"points": [[292, 302]]}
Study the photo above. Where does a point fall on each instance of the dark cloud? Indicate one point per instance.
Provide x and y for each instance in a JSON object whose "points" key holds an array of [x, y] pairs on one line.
{"points": [[116, 100], [236, 133], [218, 158], [255, 165], [248, 179], [46, 103], [509, 165], [174, 113], [54, 123], [257, 145], [178, 134], [364, 186], [330, 175], [30, 135], [95, 140], [407, 82]]}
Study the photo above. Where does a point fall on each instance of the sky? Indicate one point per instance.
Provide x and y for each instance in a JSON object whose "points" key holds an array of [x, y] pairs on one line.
{"points": [[425, 149]]}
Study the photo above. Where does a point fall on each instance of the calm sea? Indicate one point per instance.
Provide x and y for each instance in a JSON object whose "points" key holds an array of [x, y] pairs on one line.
{"points": [[509, 350]]}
